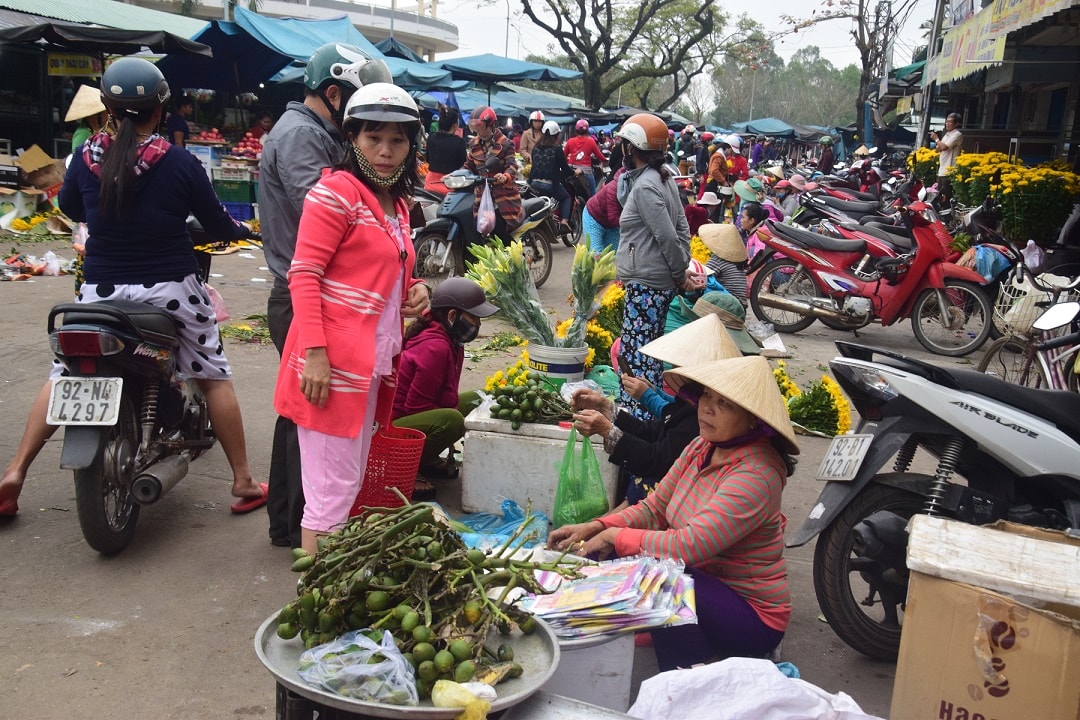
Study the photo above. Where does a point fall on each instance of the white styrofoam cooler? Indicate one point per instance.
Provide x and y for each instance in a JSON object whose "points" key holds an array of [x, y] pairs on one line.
{"points": [[522, 465]]}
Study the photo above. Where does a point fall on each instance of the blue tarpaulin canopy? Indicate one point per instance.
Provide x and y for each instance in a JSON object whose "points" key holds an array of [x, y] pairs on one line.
{"points": [[764, 126], [392, 48], [409, 75], [487, 69], [253, 48]]}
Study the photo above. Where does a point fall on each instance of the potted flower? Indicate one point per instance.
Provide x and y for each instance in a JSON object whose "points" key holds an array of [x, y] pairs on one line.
{"points": [[503, 272]]}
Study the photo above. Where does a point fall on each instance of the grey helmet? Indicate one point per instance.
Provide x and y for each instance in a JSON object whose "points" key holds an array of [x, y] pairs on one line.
{"points": [[134, 85], [345, 64], [462, 294]]}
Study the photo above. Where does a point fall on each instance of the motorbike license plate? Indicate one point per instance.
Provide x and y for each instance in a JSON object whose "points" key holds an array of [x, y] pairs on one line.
{"points": [[843, 458], [84, 401]]}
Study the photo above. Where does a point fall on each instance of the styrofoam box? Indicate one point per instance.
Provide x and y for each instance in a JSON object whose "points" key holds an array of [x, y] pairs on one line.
{"points": [[499, 463]]}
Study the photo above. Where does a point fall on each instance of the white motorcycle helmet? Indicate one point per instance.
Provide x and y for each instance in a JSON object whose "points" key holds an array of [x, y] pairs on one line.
{"points": [[382, 102], [550, 128]]}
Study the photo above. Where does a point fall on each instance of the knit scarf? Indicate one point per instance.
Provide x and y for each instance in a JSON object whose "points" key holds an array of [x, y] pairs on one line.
{"points": [[147, 154]]}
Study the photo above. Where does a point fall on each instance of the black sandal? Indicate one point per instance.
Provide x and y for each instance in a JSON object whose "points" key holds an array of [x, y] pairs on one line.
{"points": [[423, 491]]}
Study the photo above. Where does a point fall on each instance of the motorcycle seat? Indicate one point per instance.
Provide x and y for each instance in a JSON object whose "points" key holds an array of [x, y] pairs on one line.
{"points": [[860, 207], [1060, 407], [879, 231], [533, 205], [821, 242], [154, 325], [860, 195], [427, 195]]}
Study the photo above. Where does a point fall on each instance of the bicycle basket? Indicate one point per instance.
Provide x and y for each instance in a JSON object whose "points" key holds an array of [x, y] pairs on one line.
{"points": [[1017, 305], [393, 461]]}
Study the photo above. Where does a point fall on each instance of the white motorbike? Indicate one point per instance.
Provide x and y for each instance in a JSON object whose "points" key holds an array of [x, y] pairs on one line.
{"points": [[1002, 452]]}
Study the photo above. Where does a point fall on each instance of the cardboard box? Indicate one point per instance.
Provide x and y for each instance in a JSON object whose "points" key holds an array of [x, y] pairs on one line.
{"points": [[43, 172], [9, 172], [992, 624]]}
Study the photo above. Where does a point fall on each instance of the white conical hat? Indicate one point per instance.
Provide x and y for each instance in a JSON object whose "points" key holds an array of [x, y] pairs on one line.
{"points": [[703, 341], [749, 383], [87, 102]]}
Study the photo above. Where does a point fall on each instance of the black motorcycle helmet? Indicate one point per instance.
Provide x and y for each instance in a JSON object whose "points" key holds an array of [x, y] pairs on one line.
{"points": [[462, 294], [133, 85]]}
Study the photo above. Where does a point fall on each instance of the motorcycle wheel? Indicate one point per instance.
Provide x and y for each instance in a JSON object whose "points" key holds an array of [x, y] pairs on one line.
{"points": [[1010, 359], [431, 265], [968, 326], [537, 246], [107, 511], [843, 581], [574, 236], [786, 278]]}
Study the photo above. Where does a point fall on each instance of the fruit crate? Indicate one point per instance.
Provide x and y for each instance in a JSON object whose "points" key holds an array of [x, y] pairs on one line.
{"points": [[239, 211], [232, 173], [235, 191]]}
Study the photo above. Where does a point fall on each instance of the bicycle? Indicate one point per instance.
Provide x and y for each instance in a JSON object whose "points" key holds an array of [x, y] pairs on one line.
{"points": [[1044, 355]]}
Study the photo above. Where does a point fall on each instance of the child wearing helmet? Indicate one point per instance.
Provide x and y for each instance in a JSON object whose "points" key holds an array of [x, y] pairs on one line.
{"points": [[427, 396], [304, 141], [828, 159], [549, 170], [581, 151], [654, 246], [489, 143], [135, 190], [352, 286]]}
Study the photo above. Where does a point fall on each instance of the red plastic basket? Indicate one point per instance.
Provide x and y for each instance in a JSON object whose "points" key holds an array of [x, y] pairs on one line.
{"points": [[393, 461]]}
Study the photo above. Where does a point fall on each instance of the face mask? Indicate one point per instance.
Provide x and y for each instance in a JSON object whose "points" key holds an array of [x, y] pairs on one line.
{"points": [[462, 331]]}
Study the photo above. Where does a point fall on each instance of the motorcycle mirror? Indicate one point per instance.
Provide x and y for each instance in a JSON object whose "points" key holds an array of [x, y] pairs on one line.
{"points": [[494, 164], [1057, 316]]}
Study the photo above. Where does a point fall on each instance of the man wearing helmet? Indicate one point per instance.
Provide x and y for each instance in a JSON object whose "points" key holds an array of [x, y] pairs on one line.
{"points": [[738, 169], [427, 396], [532, 136], [489, 145], [827, 159], [654, 245], [305, 140], [548, 171], [581, 150], [686, 148]]}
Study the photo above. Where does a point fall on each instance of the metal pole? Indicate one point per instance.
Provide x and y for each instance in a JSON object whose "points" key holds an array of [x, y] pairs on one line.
{"points": [[753, 85], [506, 36], [393, 11]]}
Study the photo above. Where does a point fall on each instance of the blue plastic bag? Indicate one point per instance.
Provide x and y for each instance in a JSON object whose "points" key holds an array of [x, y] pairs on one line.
{"points": [[493, 531]]}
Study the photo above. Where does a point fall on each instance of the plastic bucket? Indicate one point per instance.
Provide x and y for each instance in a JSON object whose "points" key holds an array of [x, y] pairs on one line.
{"points": [[558, 364]]}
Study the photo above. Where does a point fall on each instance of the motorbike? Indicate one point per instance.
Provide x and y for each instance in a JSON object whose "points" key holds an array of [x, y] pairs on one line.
{"points": [[1001, 452], [442, 245], [132, 423], [839, 279]]}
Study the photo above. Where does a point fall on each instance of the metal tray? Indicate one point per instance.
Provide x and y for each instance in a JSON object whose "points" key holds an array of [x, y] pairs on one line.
{"points": [[538, 654]]}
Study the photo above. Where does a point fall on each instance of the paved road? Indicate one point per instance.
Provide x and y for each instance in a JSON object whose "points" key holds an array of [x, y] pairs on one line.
{"points": [[165, 629]]}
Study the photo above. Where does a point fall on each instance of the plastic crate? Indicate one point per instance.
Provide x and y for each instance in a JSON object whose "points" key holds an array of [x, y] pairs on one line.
{"points": [[234, 191], [239, 211], [232, 173]]}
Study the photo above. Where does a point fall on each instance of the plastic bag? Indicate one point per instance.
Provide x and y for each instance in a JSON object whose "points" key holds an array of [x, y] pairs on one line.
{"points": [[485, 215], [355, 666], [580, 495], [491, 531], [221, 311], [1034, 257], [52, 264]]}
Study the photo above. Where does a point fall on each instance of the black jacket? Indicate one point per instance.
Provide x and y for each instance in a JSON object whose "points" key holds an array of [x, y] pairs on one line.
{"points": [[650, 448]]}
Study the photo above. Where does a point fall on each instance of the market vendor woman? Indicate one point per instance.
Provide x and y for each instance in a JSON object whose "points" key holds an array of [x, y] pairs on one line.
{"points": [[718, 511]]}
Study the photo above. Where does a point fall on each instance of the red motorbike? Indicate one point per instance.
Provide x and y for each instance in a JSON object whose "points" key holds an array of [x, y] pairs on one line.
{"points": [[801, 276]]}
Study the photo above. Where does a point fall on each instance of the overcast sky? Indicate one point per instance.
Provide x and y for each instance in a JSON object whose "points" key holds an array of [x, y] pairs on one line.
{"points": [[482, 29]]}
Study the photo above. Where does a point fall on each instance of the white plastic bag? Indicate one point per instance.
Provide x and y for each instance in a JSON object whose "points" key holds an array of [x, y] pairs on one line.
{"points": [[485, 215], [354, 666], [751, 690], [1034, 257], [52, 264]]}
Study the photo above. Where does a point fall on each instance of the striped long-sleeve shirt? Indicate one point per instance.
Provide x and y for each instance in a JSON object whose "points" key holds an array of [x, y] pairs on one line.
{"points": [[724, 520]]}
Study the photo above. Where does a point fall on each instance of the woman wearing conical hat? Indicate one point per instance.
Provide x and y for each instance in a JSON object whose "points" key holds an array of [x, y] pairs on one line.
{"points": [[87, 108], [718, 511]]}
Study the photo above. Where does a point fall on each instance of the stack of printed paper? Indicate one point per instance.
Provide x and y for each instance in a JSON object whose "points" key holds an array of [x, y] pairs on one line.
{"points": [[614, 597]]}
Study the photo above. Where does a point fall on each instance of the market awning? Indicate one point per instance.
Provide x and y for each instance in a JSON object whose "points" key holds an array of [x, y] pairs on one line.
{"points": [[252, 49], [765, 126], [104, 40], [409, 75], [488, 69], [392, 48]]}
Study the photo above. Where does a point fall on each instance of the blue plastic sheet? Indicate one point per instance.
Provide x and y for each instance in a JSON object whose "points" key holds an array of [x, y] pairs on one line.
{"points": [[492, 531]]}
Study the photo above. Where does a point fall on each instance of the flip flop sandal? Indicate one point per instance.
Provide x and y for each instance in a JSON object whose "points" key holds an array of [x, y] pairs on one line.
{"points": [[246, 505]]}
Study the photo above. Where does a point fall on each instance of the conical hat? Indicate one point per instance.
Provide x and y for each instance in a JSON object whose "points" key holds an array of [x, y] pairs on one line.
{"points": [[703, 341], [776, 171], [749, 383], [87, 102], [724, 241]]}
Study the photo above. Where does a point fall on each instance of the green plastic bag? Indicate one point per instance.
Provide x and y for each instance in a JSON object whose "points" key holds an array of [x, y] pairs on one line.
{"points": [[580, 496]]}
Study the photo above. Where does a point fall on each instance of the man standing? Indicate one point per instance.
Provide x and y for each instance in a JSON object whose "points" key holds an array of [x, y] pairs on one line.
{"points": [[948, 147], [305, 140], [177, 124]]}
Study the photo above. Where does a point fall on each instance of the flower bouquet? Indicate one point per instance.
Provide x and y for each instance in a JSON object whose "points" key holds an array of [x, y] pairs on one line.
{"points": [[503, 272], [820, 410]]}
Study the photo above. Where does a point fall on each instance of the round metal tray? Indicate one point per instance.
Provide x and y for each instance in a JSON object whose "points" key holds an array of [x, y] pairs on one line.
{"points": [[537, 653]]}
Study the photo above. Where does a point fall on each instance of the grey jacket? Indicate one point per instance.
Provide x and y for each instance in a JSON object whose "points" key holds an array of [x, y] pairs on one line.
{"points": [[295, 152], [654, 237]]}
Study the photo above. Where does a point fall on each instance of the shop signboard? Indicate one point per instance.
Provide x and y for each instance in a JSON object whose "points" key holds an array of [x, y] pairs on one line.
{"points": [[73, 65]]}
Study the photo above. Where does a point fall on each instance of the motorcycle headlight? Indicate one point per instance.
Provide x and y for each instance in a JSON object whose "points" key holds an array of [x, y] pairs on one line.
{"points": [[457, 182]]}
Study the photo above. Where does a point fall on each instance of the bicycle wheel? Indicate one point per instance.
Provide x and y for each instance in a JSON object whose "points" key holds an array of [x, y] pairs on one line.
{"points": [[1012, 359]]}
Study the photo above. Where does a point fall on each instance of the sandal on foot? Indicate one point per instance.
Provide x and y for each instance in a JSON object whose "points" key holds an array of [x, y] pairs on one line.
{"points": [[246, 505], [423, 491]]}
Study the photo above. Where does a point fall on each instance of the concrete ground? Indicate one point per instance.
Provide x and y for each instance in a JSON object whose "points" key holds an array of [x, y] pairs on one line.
{"points": [[165, 628]]}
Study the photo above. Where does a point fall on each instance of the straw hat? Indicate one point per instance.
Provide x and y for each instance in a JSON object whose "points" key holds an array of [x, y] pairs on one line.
{"points": [[702, 341], [731, 312], [747, 382], [798, 182], [743, 190], [776, 171], [708, 198], [724, 241], [87, 102], [861, 150]]}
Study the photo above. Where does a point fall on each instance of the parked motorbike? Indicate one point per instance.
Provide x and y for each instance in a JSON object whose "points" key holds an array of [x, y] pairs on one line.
{"points": [[839, 279], [132, 423], [442, 245], [1002, 452]]}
